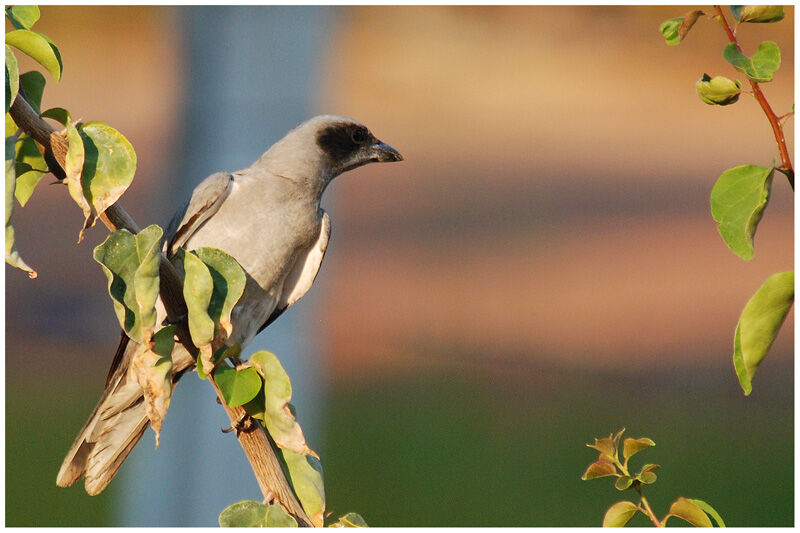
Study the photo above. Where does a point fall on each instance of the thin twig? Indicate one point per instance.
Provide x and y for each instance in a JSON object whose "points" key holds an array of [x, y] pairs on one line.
{"points": [[256, 444], [774, 121], [647, 507]]}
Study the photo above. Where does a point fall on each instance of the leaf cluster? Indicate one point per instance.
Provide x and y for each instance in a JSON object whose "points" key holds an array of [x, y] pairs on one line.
{"points": [[741, 194], [98, 167], [609, 464]]}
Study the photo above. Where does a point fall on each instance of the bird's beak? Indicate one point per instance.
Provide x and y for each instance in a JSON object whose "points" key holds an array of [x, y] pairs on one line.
{"points": [[384, 153]]}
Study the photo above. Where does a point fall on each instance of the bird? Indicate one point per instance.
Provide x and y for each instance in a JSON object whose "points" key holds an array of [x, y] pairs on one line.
{"points": [[267, 217]]}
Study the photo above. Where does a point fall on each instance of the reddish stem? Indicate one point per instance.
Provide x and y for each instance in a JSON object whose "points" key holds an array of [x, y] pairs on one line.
{"points": [[774, 120]]}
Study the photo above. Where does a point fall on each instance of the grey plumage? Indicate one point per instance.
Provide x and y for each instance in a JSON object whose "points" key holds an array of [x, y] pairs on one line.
{"points": [[268, 217]]}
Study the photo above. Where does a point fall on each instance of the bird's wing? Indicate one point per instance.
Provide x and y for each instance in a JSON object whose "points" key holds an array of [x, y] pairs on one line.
{"points": [[205, 201], [302, 275]]}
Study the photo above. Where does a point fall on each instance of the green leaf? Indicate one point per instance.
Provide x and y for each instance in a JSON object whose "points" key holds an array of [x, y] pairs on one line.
{"points": [[39, 48], [73, 169], [709, 511], [599, 468], [619, 514], [57, 113], [237, 386], [130, 263], [305, 473], [229, 281], [718, 90], [23, 17], [278, 418], [31, 168], [350, 520], [108, 168], [738, 200], [10, 175], [11, 126], [33, 84], [646, 474], [12, 256], [243, 514], [623, 483], [736, 11], [761, 14], [276, 516], [759, 324], [761, 67], [198, 287], [634, 446], [686, 510], [12, 77], [669, 29]]}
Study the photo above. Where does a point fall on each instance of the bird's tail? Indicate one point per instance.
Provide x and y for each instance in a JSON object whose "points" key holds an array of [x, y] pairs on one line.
{"points": [[113, 429]]}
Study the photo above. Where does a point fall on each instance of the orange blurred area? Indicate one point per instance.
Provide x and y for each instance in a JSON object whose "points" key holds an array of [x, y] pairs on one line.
{"points": [[553, 201]]}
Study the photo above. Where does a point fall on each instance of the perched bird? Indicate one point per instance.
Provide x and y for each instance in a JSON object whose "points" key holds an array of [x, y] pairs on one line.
{"points": [[266, 216]]}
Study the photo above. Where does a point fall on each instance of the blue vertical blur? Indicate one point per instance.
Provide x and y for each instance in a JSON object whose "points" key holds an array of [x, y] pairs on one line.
{"points": [[250, 75]]}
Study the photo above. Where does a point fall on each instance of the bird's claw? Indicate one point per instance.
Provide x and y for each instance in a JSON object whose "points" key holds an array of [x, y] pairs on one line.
{"points": [[240, 425]]}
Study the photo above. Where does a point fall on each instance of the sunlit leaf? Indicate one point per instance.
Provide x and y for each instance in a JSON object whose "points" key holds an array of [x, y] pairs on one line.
{"points": [[152, 368], [669, 29], [686, 510], [198, 286], [130, 263], [634, 446], [623, 483], [229, 281], [31, 168], [12, 77], [23, 17], [619, 514], [243, 514], [761, 66], [40, 48], [709, 511], [350, 520], [718, 90], [647, 475], [757, 13], [12, 256], [237, 386], [759, 324], [738, 200], [276, 516], [278, 418], [599, 468], [108, 169], [305, 472]]}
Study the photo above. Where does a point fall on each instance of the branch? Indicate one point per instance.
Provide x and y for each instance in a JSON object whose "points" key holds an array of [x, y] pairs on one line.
{"points": [[774, 120], [254, 440]]}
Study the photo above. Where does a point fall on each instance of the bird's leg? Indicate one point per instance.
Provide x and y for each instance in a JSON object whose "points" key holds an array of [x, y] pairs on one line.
{"points": [[244, 423]]}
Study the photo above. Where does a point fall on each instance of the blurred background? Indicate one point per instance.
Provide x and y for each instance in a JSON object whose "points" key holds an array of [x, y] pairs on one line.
{"points": [[542, 269]]}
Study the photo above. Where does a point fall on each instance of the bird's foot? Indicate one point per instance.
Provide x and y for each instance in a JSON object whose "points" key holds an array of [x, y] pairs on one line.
{"points": [[244, 423]]}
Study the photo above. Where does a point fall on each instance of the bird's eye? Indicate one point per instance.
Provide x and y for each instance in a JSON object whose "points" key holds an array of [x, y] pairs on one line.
{"points": [[359, 136]]}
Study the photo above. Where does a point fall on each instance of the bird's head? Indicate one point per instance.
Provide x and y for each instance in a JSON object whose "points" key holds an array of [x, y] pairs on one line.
{"points": [[323, 147], [348, 144]]}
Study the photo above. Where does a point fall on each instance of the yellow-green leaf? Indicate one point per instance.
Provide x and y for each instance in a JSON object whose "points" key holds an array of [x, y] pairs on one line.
{"points": [[12, 77], [39, 48], [619, 514], [633, 446], [237, 386], [23, 17], [685, 509], [599, 468], [130, 263], [738, 200], [758, 13], [759, 324]]}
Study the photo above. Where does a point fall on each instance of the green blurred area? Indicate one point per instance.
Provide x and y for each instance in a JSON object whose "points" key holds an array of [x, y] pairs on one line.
{"points": [[480, 446], [473, 450]]}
